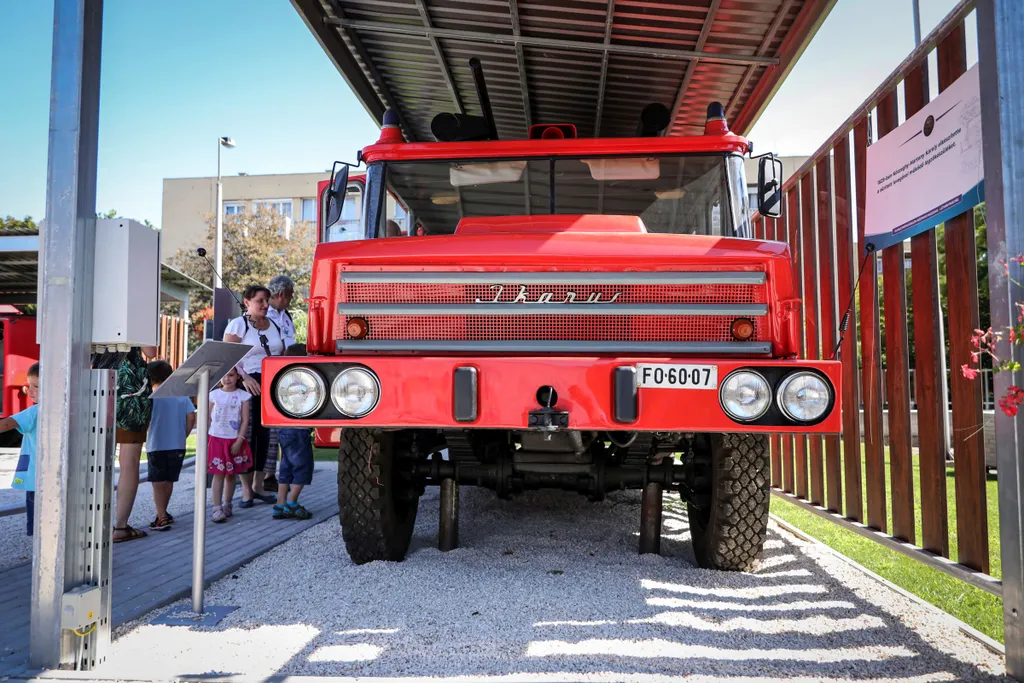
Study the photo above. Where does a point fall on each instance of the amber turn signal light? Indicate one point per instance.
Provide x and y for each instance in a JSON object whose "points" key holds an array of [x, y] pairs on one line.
{"points": [[742, 329], [357, 328]]}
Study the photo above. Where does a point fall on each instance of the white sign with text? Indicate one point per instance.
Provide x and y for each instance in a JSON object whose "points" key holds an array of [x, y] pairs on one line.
{"points": [[929, 169]]}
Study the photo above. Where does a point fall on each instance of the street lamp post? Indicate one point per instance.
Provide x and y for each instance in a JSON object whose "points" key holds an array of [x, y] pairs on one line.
{"points": [[223, 141]]}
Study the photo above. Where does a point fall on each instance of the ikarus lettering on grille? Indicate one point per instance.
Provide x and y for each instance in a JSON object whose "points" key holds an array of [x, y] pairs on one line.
{"points": [[548, 297], [671, 376]]}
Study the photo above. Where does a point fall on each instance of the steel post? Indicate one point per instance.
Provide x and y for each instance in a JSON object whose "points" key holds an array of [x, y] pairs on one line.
{"points": [[1001, 53], [89, 519], [448, 534], [650, 519], [66, 292], [199, 527], [220, 224]]}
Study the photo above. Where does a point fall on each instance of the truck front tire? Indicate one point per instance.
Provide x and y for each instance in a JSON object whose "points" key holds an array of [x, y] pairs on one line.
{"points": [[377, 507], [730, 534]]}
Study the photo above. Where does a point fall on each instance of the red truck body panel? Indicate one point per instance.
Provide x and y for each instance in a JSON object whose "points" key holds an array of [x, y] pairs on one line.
{"points": [[20, 351]]}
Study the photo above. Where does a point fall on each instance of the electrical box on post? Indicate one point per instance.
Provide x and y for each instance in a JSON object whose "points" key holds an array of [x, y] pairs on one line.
{"points": [[126, 294], [80, 607]]}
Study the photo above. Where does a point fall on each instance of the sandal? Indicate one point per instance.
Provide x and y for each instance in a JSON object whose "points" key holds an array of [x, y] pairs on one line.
{"points": [[161, 523], [131, 535]]}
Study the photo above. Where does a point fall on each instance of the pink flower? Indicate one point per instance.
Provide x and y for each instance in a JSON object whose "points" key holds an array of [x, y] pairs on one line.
{"points": [[974, 356], [968, 371], [1009, 408]]}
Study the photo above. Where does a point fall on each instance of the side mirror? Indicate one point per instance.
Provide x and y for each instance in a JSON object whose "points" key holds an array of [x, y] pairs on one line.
{"points": [[769, 186], [335, 196]]}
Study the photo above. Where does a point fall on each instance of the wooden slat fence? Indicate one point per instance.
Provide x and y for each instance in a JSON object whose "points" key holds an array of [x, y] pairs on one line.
{"points": [[173, 336], [823, 223]]}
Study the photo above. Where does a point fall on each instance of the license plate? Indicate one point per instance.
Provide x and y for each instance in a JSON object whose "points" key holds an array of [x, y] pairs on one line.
{"points": [[665, 376]]}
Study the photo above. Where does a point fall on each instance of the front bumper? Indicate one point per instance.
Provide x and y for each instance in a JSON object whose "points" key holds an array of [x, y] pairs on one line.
{"points": [[430, 392]]}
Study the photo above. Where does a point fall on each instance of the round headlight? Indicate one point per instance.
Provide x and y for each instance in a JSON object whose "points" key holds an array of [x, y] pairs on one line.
{"points": [[300, 392], [804, 396], [355, 392], [745, 395]]}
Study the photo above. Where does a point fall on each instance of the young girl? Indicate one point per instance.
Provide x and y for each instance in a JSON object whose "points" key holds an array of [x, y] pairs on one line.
{"points": [[228, 451]]}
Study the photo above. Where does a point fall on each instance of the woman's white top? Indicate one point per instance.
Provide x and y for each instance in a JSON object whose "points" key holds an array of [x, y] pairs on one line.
{"points": [[226, 416], [253, 360]]}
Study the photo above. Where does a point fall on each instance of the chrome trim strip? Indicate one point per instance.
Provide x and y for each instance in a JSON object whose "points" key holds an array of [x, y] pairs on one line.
{"points": [[556, 346], [740, 310], [559, 278]]}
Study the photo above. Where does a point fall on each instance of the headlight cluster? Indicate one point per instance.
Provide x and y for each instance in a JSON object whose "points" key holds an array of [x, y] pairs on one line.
{"points": [[801, 396], [301, 392]]}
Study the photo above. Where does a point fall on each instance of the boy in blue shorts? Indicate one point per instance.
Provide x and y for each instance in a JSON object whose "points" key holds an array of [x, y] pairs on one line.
{"points": [[25, 471], [296, 466], [170, 424]]}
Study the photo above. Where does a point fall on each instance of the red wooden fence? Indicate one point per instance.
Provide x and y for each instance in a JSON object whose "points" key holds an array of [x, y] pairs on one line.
{"points": [[173, 333], [823, 222]]}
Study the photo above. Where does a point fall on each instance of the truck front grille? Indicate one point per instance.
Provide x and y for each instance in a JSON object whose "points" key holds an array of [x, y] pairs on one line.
{"points": [[616, 312]]}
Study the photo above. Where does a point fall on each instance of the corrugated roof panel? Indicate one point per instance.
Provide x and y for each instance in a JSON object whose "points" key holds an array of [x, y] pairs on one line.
{"points": [[567, 61]]}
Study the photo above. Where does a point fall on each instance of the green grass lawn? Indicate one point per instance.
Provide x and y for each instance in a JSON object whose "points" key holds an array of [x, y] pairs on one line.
{"points": [[972, 605]]}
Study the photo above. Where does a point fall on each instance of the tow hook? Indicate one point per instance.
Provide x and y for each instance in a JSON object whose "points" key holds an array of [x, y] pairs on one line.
{"points": [[548, 419]]}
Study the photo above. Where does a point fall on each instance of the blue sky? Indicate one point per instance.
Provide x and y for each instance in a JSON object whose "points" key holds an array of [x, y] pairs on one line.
{"points": [[176, 75]]}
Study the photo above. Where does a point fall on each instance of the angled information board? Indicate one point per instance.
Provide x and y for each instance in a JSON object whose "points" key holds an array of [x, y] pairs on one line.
{"points": [[203, 368]]}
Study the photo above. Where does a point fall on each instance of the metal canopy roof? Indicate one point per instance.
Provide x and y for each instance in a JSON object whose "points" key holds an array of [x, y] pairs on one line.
{"points": [[593, 63], [19, 271]]}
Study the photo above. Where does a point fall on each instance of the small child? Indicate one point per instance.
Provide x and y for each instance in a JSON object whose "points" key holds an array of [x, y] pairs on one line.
{"points": [[25, 470], [171, 422], [228, 451], [296, 466]]}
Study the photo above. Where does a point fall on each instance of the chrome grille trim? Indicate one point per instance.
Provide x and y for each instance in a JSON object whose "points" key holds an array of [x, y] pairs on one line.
{"points": [[561, 277], [557, 346], [740, 310]]}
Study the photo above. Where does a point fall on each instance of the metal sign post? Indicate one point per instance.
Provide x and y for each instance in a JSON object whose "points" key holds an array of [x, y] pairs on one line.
{"points": [[206, 366]]}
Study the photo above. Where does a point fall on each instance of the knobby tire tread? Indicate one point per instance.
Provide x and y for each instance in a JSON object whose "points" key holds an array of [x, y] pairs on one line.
{"points": [[738, 525], [370, 525]]}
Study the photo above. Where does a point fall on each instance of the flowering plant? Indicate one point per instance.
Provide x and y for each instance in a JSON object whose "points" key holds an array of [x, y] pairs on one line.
{"points": [[984, 342]]}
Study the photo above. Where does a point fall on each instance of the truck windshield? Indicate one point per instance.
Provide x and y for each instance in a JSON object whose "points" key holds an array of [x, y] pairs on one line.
{"points": [[693, 194]]}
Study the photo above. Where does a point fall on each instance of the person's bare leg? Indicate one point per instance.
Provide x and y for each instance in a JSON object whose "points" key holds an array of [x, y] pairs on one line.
{"points": [[217, 490], [229, 487], [257, 483], [293, 493], [246, 480], [162, 491], [127, 484], [282, 493]]}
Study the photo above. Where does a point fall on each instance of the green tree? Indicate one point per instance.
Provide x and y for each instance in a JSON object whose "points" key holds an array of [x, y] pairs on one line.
{"points": [[12, 223]]}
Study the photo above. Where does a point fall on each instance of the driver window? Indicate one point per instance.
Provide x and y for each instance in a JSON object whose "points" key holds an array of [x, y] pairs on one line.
{"points": [[348, 227]]}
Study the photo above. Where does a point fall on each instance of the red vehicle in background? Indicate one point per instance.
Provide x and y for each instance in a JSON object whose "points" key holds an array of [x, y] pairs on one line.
{"points": [[587, 315], [18, 351]]}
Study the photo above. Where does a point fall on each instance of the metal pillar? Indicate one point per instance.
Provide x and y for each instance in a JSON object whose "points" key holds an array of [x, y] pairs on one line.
{"points": [[650, 519], [69, 238], [199, 529], [1001, 52], [89, 519], [448, 532]]}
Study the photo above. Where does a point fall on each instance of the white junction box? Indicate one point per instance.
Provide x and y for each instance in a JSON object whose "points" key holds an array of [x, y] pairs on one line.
{"points": [[80, 607], [126, 295]]}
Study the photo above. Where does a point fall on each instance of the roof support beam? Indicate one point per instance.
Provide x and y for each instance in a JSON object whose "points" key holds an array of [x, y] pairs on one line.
{"points": [[692, 66], [768, 38], [442, 63], [513, 8], [555, 43], [357, 45], [609, 19]]}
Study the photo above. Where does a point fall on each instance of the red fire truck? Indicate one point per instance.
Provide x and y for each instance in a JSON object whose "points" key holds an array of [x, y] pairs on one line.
{"points": [[582, 314], [18, 351]]}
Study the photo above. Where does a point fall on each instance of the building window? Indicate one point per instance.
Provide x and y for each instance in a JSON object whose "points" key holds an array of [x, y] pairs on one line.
{"points": [[234, 208], [281, 207], [309, 210]]}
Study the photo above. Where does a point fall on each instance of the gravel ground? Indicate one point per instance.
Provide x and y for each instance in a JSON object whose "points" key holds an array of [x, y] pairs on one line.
{"points": [[16, 547], [550, 588]]}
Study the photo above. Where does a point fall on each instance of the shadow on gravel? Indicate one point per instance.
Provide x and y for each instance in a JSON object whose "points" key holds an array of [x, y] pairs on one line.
{"points": [[550, 587]]}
